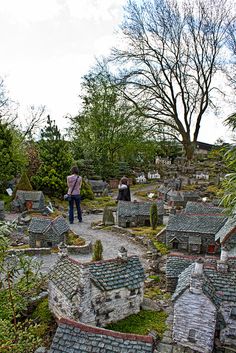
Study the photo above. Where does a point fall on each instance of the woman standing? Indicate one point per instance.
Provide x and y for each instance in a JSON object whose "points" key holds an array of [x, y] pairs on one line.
{"points": [[74, 182], [123, 190]]}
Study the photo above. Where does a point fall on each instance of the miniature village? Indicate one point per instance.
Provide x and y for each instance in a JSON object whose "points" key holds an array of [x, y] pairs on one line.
{"points": [[169, 255]]}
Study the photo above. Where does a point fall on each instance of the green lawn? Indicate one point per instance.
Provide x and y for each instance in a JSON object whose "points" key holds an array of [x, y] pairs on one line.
{"points": [[141, 323]]}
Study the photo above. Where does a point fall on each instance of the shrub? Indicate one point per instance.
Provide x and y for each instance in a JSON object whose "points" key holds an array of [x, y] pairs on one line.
{"points": [[86, 191], [153, 216], [97, 250]]}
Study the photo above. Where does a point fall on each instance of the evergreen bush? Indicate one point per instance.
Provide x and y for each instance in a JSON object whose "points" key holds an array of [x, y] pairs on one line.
{"points": [[153, 216], [97, 250]]}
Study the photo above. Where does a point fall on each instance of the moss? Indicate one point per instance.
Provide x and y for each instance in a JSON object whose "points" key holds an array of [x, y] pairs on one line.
{"points": [[73, 239], [153, 293], [161, 247], [142, 323], [99, 202], [148, 231], [155, 278]]}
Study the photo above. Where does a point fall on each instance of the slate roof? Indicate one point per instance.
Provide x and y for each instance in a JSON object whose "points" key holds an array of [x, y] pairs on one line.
{"points": [[98, 185], [175, 195], [42, 225], [66, 276], [226, 230], [74, 337], [218, 286], [132, 209], [117, 273], [106, 275], [177, 264], [29, 195], [202, 208], [163, 189], [207, 224]]}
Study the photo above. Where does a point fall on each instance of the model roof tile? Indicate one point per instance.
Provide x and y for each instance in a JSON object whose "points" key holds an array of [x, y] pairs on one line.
{"points": [[129, 209], [202, 208], [218, 286], [195, 223], [107, 275], [74, 337], [41, 225], [29, 195], [228, 228]]}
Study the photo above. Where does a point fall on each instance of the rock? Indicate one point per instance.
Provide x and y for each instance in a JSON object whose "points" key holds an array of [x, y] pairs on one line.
{"points": [[164, 348], [108, 217]]}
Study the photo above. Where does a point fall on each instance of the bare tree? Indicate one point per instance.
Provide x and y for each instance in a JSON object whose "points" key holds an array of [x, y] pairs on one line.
{"points": [[34, 120], [8, 108], [171, 50]]}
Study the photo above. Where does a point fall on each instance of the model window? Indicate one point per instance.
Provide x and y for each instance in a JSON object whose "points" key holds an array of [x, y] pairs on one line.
{"points": [[175, 244], [117, 295], [132, 292], [192, 335], [233, 314]]}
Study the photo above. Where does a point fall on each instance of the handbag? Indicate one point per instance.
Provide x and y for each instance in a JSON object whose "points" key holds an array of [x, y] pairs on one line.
{"points": [[67, 197]]}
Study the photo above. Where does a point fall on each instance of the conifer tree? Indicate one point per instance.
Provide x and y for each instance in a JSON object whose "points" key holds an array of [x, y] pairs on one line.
{"points": [[56, 161], [153, 216], [97, 250]]}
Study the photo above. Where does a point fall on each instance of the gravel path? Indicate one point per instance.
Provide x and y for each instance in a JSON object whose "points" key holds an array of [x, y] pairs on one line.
{"points": [[111, 242]]}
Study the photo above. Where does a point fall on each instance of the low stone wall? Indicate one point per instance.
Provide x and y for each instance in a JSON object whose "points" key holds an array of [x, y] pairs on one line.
{"points": [[72, 249], [83, 249]]}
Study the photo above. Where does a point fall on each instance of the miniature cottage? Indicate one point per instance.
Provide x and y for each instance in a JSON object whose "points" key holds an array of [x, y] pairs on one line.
{"points": [[96, 293], [134, 214], [202, 208], [205, 306], [72, 336], [46, 232], [193, 233], [226, 236], [32, 200], [175, 264], [175, 198], [99, 187]]}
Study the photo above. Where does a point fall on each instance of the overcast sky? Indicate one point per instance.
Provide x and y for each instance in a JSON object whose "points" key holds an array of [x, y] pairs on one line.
{"points": [[48, 45]]}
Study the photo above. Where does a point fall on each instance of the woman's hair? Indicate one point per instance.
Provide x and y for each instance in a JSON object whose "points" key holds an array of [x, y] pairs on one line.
{"points": [[124, 180], [74, 170]]}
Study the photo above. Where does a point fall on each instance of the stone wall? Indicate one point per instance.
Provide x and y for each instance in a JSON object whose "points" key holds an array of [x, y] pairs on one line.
{"points": [[114, 305], [72, 249], [58, 303], [194, 322]]}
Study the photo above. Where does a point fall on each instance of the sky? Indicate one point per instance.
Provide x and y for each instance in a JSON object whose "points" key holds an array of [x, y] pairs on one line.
{"points": [[48, 45]]}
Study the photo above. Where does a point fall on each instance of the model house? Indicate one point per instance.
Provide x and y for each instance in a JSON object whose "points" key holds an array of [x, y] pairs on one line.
{"points": [[47, 232], [193, 233], [205, 306], [134, 214], [96, 293], [72, 336]]}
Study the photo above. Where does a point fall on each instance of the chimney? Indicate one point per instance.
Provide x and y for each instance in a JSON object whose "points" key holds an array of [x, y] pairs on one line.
{"points": [[196, 279], [63, 251], [122, 253], [222, 264]]}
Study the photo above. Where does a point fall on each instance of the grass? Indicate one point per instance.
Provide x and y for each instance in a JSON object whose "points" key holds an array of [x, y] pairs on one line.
{"points": [[99, 202], [148, 231], [155, 278], [156, 293], [141, 323], [73, 239], [161, 247]]}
